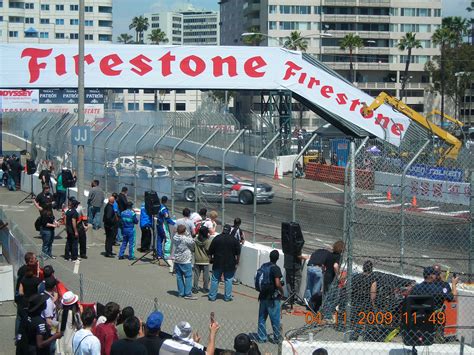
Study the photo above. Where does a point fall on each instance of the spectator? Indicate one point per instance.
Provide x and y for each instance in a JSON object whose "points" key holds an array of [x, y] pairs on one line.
{"points": [[201, 259], [332, 266], [48, 224], [50, 313], [16, 169], [320, 351], [128, 220], [95, 201], [82, 227], [236, 232], [269, 300], [430, 287], [126, 313], [30, 261], [198, 219], [146, 229], [242, 343], [107, 332], [72, 232], [439, 278], [45, 175], [152, 340], [122, 202], [70, 318], [37, 332], [185, 342], [316, 267], [224, 253], [118, 233], [129, 345], [28, 286], [187, 222], [44, 200], [48, 272], [183, 246], [110, 220], [60, 192], [211, 223], [84, 342], [334, 159], [163, 243]]}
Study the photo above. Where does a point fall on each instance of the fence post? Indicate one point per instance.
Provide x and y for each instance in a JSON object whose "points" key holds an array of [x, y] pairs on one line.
{"points": [[39, 132], [93, 147], [58, 147], [65, 139], [135, 160], [155, 146], [118, 151], [402, 207], [33, 134], [275, 137], [223, 174], [81, 287], [105, 156], [173, 166], [49, 147], [293, 177], [196, 170], [471, 239]]}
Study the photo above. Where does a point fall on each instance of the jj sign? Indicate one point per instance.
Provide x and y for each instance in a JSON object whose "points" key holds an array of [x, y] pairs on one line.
{"points": [[81, 135]]}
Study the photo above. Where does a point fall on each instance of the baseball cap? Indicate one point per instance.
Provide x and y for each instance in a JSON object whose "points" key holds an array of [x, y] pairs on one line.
{"points": [[154, 320], [182, 330], [242, 343]]}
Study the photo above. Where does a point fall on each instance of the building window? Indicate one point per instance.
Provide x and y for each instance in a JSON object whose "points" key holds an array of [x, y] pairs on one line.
{"points": [[164, 106], [15, 19], [89, 8], [29, 5], [13, 34], [155, 18], [181, 91], [180, 106], [59, 21], [408, 12], [133, 106], [59, 7], [59, 36], [393, 11], [44, 7], [1, 3], [155, 25], [29, 20], [105, 9], [148, 91], [117, 105], [31, 34], [74, 7], [44, 34], [103, 37], [74, 22], [295, 9], [272, 9], [89, 37], [103, 23], [44, 21], [16, 5], [89, 23], [74, 35], [423, 12], [272, 25], [149, 106], [437, 12]]}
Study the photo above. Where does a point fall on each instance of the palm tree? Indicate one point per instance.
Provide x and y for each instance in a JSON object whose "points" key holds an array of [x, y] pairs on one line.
{"points": [[407, 43], [157, 36], [125, 38], [254, 39], [296, 42], [458, 25], [351, 42], [443, 37], [140, 24]]}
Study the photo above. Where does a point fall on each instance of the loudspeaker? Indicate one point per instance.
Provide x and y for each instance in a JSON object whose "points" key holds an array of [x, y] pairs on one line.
{"points": [[292, 239], [68, 178], [417, 323], [30, 167], [152, 203]]}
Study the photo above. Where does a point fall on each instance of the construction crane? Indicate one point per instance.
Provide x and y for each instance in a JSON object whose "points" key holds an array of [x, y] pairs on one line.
{"points": [[449, 118], [455, 144]]}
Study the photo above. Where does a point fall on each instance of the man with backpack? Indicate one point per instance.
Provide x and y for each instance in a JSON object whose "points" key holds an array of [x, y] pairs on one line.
{"points": [[268, 283]]}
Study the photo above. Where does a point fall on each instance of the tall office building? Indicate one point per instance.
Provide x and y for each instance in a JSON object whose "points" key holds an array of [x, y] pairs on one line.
{"points": [[54, 21], [379, 65]]}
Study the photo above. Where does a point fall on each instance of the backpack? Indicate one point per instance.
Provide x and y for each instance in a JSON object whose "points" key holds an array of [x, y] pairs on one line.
{"points": [[263, 282], [38, 224]]}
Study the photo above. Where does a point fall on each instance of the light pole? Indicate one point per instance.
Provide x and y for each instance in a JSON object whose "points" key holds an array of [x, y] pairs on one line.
{"points": [[80, 108]]}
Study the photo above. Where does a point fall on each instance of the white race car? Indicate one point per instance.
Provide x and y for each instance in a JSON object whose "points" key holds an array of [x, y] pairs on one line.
{"points": [[125, 165]]}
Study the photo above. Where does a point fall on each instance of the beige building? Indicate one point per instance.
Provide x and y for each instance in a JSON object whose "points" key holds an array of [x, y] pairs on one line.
{"points": [[54, 21]]}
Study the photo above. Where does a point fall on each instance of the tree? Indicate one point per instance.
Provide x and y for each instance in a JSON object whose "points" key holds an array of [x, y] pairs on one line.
{"points": [[140, 24], [254, 39], [351, 42], [125, 38], [296, 42], [407, 43], [157, 36], [443, 37], [458, 25]]}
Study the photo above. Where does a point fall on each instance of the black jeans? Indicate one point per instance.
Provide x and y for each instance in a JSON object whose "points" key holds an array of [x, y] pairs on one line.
{"points": [[110, 233], [146, 238], [290, 279], [70, 252], [82, 243]]}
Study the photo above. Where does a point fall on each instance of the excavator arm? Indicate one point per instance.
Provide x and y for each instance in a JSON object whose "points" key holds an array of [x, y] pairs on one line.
{"points": [[455, 144], [449, 118]]}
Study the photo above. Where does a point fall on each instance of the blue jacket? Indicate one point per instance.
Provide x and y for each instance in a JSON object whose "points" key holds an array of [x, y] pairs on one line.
{"points": [[145, 220], [164, 215], [129, 219]]}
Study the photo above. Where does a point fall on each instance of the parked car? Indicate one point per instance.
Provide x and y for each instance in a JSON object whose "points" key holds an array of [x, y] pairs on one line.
{"points": [[209, 187], [125, 165]]}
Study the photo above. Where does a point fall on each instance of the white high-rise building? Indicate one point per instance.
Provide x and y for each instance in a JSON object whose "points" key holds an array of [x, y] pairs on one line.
{"points": [[54, 21]]}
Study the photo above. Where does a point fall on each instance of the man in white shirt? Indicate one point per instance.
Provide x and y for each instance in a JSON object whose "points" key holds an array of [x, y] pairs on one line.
{"points": [[187, 222], [84, 342]]}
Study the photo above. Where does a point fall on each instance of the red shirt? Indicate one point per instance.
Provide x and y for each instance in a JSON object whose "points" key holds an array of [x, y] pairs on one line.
{"points": [[107, 334]]}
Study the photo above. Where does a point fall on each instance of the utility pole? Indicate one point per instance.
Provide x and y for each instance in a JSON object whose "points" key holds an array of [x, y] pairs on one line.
{"points": [[80, 118]]}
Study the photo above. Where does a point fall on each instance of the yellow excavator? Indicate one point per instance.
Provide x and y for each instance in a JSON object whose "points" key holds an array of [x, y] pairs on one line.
{"points": [[455, 144], [449, 118]]}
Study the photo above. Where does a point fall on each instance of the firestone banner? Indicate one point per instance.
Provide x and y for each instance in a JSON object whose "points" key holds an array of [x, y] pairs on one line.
{"points": [[200, 67]]}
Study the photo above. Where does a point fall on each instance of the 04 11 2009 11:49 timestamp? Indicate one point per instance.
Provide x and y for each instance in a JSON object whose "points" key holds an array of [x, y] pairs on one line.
{"points": [[380, 318]]}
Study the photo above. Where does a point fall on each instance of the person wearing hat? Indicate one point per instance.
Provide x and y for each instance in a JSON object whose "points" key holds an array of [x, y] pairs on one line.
{"points": [[430, 287], [38, 333], [84, 342], [152, 340], [129, 345], [128, 220], [242, 343], [184, 341], [70, 322], [72, 232]]}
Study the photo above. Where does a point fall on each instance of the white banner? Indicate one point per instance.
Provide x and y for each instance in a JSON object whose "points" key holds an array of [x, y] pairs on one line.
{"points": [[200, 67], [18, 100]]}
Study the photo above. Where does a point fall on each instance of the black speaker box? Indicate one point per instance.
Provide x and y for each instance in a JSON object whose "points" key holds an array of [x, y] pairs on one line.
{"points": [[30, 167], [292, 240], [152, 203], [68, 178], [417, 327]]}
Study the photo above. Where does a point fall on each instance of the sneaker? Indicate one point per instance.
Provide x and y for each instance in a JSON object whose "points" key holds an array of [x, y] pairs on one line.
{"points": [[195, 290], [53, 257], [79, 259], [190, 298], [132, 258], [121, 257], [229, 300], [84, 256], [205, 290]]}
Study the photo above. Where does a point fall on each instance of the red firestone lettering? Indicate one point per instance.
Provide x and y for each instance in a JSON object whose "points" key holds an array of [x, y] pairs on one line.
{"points": [[341, 98], [251, 66], [354, 104], [326, 90], [141, 67], [60, 64], [291, 70], [219, 63], [166, 63], [88, 59], [199, 64], [33, 66], [313, 81], [381, 118], [397, 129], [302, 78], [108, 63]]}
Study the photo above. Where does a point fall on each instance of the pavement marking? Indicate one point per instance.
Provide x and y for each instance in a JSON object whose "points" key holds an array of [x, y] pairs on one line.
{"points": [[383, 205], [429, 208], [374, 197], [381, 201], [334, 187], [371, 194], [283, 185], [76, 267], [449, 214], [425, 256]]}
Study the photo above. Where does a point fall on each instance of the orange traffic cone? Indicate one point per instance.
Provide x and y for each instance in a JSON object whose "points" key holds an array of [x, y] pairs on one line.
{"points": [[276, 176], [389, 194], [413, 201]]}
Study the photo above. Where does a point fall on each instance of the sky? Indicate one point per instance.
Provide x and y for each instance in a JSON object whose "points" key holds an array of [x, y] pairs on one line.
{"points": [[125, 10]]}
